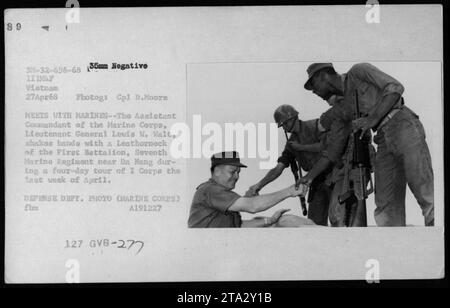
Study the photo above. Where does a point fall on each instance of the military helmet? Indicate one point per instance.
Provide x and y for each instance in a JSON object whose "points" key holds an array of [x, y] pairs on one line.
{"points": [[284, 113]]}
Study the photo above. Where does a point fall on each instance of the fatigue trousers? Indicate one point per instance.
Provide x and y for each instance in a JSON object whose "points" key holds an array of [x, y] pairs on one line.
{"points": [[402, 158], [318, 203], [337, 210]]}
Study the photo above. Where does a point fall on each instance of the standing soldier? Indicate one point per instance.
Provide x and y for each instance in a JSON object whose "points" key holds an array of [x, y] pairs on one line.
{"points": [[303, 147], [402, 155], [334, 122]]}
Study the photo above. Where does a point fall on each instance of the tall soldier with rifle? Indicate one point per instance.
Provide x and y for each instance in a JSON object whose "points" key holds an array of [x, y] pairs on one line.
{"points": [[403, 158]]}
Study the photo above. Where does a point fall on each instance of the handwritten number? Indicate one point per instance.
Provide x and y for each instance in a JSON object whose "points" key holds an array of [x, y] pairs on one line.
{"points": [[140, 248], [121, 245]]}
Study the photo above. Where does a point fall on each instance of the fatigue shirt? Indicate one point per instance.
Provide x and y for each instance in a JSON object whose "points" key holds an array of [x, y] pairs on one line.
{"points": [[209, 208]]}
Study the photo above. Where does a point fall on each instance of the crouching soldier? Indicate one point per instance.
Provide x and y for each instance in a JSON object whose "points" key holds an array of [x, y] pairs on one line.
{"points": [[216, 205]]}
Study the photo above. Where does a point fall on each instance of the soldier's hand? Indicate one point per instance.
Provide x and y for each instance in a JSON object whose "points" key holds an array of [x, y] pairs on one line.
{"points": [[303, 180], [275, 217], [299, 190], [295, 145], [252, 191], [363, 124]]}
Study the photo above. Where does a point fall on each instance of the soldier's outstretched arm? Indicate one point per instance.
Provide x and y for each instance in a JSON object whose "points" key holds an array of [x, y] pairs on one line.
{"points": [[318, 168], [272, 175], [261, 203]]}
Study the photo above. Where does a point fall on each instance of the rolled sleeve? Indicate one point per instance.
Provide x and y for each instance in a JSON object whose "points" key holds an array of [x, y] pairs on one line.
{"points": [[220, 199], [393, 88], [286, 158]]}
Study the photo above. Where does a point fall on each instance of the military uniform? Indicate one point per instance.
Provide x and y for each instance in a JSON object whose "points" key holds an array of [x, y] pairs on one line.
{"points": [[336, 121], [319, 192], [210, 205], [402, 156]]}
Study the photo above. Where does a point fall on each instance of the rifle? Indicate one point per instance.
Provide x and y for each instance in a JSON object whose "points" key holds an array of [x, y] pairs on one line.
{"points": [[356, 177], [296, 171]]}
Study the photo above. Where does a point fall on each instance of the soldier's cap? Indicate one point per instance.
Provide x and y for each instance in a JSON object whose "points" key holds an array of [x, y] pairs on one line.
{"points": [[312, 70], [226, 158]]}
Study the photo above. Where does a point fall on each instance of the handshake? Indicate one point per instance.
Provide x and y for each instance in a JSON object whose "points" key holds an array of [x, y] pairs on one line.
{"points": [[293, 190]]}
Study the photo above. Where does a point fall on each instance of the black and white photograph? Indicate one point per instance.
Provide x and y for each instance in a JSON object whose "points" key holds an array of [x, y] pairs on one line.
{"points": [[341, 170], [224, 144]]}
